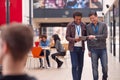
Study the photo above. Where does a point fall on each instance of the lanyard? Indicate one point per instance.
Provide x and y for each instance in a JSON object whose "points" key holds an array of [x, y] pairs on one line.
{"points": [[78, 29], [95, 29]]}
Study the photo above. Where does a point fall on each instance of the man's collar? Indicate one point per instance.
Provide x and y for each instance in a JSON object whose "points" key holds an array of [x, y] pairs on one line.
{"points": [[97, 23], [73, 23]]}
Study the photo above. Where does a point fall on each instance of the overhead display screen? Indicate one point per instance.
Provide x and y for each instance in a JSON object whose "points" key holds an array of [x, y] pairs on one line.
{"points": [[64, 8], [67, 4]]}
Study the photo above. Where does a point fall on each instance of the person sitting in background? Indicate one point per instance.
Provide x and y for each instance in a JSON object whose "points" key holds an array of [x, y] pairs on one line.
{"points": [[44, 43], [15, 43], [60, 50]]}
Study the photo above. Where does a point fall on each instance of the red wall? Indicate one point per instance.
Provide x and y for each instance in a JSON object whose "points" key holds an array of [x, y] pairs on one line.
{"points": [[15, 11], [2, 12]]}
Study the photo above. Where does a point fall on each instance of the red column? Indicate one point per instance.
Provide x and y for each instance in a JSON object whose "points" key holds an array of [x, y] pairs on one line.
{"points": [[15, 11], [2, 12]]}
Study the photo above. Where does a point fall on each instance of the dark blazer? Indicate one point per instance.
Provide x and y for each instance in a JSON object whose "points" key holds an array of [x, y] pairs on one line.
{"points": [[100, 42], [70, 34]]}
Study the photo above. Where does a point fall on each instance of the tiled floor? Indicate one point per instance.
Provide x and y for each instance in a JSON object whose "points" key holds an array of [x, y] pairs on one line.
{"points": [[64, 73]]}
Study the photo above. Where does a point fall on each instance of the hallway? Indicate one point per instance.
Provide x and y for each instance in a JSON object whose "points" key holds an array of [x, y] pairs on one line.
{"points": [[64, 73]]}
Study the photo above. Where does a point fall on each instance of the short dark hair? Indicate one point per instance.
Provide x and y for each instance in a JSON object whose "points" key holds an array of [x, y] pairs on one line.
{"points": [[19, 39], [43, 36], [77, 14], [92, 13]]}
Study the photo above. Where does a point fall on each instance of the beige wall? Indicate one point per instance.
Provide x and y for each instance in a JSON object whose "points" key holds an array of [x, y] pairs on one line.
{"points": [[37, 21]]}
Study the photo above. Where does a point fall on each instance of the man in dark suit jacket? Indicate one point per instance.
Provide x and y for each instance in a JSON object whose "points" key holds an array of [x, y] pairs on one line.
{"points": [[75, 30], [97, 34]]}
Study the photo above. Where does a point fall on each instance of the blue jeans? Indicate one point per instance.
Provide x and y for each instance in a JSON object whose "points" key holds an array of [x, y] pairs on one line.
{"points": [[47, 57], [77, 59], [95, 55]]}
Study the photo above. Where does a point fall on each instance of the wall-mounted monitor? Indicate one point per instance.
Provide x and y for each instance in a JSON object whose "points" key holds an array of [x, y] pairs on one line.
{"points": [[64, 7]]}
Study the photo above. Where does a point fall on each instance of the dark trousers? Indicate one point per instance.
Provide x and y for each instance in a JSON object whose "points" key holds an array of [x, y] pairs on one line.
{"points": [[77, 59], [54, 56], [47, 57]]}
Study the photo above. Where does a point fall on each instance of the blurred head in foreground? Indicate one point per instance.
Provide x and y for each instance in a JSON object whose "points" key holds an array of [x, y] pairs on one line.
{"points": [[16, 40]]}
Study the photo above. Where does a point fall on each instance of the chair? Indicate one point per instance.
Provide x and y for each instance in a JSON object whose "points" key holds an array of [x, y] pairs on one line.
{"points": [[65, 45], [36, 43], [36, 51]]}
